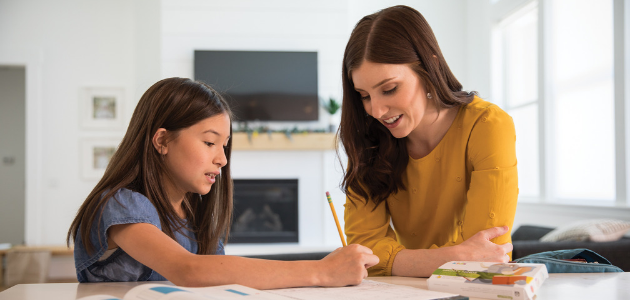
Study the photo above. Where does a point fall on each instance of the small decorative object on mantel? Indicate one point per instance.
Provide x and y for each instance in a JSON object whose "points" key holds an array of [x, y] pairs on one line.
{"points": [[332, 106]]}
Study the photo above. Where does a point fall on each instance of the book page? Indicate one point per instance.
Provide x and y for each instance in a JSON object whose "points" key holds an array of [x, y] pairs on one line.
{"points": [[100, 297], [151, 291], [235, 291], [367, 290]]}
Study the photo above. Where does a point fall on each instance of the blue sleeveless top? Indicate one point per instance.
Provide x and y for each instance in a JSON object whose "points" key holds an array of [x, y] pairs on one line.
{"points": [[131, 207]]}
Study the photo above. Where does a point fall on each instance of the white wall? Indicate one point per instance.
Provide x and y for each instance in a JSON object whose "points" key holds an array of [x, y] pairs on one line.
{"points": [[257, 25], [67, 45], [448, 20], [322, 26]]}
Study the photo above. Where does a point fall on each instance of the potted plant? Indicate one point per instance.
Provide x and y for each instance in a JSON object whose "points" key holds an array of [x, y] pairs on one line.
{"points": [[332, 106]]}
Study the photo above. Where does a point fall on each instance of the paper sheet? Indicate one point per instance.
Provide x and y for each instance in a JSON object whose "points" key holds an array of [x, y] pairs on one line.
{"points": [[367, 290]]}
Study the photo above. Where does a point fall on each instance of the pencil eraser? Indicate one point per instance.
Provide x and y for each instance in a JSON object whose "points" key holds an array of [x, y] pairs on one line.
{"points": [[327, 194]]}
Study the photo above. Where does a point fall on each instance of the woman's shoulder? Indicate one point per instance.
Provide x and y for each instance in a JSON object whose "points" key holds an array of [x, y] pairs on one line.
{"points": [[485, 110]]}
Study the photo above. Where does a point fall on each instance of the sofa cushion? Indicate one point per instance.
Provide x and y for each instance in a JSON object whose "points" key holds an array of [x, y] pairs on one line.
{"points": [[598, 230]]}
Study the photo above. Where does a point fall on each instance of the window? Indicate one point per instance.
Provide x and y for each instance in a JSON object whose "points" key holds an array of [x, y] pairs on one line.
{"points": [[566, 139], [516, 88], [582, 150]]}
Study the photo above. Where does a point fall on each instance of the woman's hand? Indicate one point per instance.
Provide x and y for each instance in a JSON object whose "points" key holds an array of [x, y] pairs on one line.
{"points": [[480, 248], [346, 266]]}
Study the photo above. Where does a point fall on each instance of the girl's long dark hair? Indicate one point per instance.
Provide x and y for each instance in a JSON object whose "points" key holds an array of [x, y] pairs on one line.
{"points": [[376, 159], [173, 104]]}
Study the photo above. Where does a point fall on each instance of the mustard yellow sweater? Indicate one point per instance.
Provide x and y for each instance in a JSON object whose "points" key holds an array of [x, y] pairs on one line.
{"points": [[466, 184]]}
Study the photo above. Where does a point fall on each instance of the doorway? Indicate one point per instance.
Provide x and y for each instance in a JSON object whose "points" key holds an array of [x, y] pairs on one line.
{"points": [[12, 154]]}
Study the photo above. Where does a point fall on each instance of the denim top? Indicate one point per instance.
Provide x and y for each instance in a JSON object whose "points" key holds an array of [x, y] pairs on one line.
{"points": [[131, 207]]}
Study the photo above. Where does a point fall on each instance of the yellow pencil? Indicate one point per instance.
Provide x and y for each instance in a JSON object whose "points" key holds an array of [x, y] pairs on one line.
{"points": [[332, 208]]}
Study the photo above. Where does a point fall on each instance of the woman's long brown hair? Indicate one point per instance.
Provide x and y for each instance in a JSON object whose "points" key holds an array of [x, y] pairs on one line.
{"points": [[376, 159], [173, 104]]}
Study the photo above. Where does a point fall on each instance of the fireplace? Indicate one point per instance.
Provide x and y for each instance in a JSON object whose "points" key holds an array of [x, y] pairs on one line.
{"points": [[265, 211]]}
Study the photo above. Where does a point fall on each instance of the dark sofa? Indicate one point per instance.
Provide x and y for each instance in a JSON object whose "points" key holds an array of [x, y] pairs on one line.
{"points": [[292, 256], [526, 241]]}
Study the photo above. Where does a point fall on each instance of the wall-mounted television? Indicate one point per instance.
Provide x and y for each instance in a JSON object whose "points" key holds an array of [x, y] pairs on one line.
{"points": [[263, 85]]}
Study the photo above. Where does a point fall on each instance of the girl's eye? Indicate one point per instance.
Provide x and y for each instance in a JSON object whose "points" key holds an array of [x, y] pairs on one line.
{"points": [[365, 98], [209, 144], [390, 91]]}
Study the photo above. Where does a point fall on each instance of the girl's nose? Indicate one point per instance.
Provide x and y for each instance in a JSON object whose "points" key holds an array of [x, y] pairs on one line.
{"points": [[221, 159]]}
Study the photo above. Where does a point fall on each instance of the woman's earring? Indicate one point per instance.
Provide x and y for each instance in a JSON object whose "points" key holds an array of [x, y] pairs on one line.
{"points": [[429, 95]]}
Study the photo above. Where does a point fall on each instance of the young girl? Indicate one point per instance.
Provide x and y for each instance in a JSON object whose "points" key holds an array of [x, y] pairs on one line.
{"points": [[164, 204]]}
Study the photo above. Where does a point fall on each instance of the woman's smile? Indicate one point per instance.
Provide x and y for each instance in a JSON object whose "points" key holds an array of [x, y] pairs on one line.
{"points": [[393, 121]]}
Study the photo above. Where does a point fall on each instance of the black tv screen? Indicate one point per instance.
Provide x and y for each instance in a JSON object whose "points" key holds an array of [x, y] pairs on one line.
{"points": [[263, 85]]}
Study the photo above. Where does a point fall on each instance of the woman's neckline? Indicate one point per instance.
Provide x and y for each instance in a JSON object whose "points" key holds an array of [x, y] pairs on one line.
{"points": [[448, 132]]}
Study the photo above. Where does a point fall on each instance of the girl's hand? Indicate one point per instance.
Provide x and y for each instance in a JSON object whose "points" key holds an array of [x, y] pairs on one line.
{"points": [[346, 266], [480, 248]]}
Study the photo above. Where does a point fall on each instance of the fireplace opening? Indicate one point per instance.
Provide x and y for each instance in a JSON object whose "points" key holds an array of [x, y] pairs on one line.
{"points": [[265, 211]]}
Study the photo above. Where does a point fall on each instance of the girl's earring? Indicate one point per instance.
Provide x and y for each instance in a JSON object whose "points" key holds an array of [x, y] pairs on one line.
{"points": [[429, 95]]}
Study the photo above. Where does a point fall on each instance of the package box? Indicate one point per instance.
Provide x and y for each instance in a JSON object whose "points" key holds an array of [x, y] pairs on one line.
{"points": [[491, 280]]}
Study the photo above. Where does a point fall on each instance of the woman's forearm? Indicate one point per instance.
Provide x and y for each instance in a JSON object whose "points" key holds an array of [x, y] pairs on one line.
{"points": [[421, 262]]}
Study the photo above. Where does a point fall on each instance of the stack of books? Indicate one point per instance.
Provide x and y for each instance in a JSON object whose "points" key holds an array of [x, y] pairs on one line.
{"points": [[491, 280]]}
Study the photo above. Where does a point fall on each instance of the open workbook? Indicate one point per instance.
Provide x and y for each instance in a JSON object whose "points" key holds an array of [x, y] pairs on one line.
{"points": [[367, 290]]}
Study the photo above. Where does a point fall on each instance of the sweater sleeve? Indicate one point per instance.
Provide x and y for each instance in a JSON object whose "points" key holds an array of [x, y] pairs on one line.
{"points": [[493, 190], [371, 228]]}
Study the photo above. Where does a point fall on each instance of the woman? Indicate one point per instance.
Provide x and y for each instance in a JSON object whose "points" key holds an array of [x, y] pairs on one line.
{"points": [[431, 173]]}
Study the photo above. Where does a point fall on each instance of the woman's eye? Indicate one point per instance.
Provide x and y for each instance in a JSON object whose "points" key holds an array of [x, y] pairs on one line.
{"points": [[209, 144], [388, 92], [365, 98]]}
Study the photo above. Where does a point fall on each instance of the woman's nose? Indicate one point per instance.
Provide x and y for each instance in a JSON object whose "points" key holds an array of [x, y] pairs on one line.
{"points": [[378, 108]]}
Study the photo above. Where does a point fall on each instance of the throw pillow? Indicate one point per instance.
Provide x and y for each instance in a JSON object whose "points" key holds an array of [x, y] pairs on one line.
{"points": [[599, 230]]}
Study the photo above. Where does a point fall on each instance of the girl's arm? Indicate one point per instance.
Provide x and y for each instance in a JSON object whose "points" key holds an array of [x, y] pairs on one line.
{"points": [[151, 247]]}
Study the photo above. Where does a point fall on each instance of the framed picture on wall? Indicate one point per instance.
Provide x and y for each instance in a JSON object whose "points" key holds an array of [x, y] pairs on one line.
{"points": [[101, 108], [96, 154]]}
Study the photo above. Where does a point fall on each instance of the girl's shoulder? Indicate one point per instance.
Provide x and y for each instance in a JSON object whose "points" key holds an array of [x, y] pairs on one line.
{"points": [[131, 197], [129, 205]]}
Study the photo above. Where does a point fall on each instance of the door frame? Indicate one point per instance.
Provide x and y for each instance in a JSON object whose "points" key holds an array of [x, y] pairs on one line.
{"points": [[31, 60]]}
